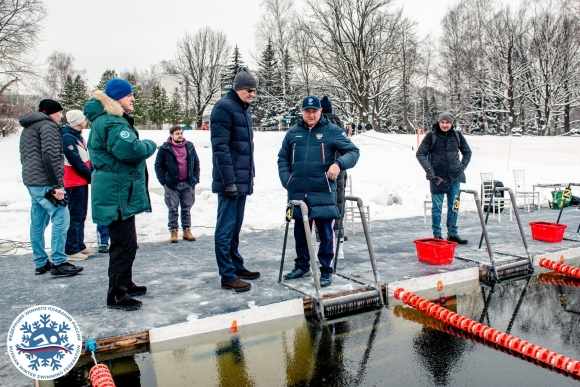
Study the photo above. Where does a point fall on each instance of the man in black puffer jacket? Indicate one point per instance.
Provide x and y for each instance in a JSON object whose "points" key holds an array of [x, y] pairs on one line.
{"points": [[177, 169], [308, 169], [232, 142], [42, 171], [439, 157]]}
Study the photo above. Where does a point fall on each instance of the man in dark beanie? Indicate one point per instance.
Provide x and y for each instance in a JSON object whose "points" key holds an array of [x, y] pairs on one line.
{"points": [[42, 174], [118, 184], [438, 154], [232, 141]]}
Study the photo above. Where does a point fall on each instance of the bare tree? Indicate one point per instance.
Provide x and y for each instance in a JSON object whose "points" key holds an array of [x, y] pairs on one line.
{"points": [[200, 60], [19, 32], [60, 66], [356, 44]]}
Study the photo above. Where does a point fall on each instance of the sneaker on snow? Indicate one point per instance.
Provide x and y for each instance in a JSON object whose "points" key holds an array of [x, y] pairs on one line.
{"points": [[325, 279], [65, 269], [43, 269], [297, 273], [77, 257]]}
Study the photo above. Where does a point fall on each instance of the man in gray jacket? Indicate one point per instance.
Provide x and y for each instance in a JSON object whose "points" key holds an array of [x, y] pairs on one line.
{"points": [[42, 174]]}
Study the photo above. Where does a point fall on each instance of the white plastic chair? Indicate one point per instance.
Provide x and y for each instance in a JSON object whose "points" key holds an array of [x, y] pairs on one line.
{"points": [[488, 198], [351, 211], [519, 188]]}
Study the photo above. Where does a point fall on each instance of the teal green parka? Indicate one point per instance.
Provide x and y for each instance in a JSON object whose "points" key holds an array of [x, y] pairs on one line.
{"points": [[119, 180]]}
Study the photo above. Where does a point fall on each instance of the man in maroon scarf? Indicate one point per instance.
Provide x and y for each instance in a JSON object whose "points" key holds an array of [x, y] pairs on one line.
{"points": [[177, 169]]}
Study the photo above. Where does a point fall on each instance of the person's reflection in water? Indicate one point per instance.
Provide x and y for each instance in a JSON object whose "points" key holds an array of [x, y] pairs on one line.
{"points": [[299, 356], [439, 352], [231, 364], [330, 369]]}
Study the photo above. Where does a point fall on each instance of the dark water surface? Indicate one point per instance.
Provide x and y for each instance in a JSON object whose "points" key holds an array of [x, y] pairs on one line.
{"points": [[396, 346]]}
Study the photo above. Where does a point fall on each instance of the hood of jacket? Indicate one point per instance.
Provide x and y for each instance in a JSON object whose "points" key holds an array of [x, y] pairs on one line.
{"points": [[68, 130], [32, 118], [321, 122], [101, 104]]}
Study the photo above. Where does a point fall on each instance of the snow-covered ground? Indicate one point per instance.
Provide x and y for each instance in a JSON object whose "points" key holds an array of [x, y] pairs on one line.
{"points": [[387, 166]]}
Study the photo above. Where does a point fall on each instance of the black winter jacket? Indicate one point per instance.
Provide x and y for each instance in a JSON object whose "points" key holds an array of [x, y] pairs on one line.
{"points": [[444, 158], [167, 169], [305, 157], [41, 151], [232, 142]]}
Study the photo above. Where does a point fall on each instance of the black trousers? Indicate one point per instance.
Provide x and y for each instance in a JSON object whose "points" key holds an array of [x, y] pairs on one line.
{"points": [[121, 256]]}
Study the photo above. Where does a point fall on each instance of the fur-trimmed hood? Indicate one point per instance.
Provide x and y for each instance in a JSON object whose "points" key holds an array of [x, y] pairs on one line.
{"points": [[100, 104]]}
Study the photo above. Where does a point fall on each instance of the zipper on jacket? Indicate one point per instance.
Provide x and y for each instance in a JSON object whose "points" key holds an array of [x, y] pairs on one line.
{"points": [[306, 160], [288, 182], [130, 194], [323, 156], [293, 150], [328, 182]]}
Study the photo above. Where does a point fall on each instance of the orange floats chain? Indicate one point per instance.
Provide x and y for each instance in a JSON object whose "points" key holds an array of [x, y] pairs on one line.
{"points": [[500, 338], [558, 279], [414, 315], [561, 268], [101, 377]]}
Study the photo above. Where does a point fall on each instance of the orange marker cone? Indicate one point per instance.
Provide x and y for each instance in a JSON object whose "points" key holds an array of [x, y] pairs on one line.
{"points": [[234, 327]]}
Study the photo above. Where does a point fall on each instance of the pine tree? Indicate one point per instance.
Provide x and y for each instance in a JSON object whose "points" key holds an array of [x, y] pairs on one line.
{"points": [[175, 111], [232, 69], [267, 106], [158, 106], [140, 106], [189, 117], [66, 96], [80, 93], [108, 74]]}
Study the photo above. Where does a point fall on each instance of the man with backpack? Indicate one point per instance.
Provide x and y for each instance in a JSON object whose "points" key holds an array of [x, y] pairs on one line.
{"points": [[438, 154]]}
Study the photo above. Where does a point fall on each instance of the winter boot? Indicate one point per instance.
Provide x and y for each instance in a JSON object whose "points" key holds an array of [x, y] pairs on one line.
{"points": [[173, 238], [187, 235]]}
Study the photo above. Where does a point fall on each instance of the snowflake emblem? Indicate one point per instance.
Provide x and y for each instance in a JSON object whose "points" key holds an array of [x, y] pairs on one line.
{"points": [[49, 344]]}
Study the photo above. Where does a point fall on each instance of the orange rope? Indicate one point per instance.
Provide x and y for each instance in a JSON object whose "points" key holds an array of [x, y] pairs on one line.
{"points": [[561, 268], [485, 332]]}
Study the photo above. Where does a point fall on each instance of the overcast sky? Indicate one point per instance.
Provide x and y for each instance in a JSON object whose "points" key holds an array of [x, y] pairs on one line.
{"points": [[127, 34]]}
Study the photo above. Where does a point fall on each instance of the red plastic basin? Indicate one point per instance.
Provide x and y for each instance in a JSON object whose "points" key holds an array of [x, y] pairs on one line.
{"points": [[435, 251], [547, 231]]}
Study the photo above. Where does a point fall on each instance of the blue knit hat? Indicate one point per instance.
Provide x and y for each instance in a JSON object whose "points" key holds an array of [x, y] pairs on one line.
{"points": [[118, 88]]}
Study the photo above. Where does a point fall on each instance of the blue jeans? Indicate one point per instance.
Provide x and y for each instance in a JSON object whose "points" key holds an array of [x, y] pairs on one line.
{"points": [[436, 210], [41, 212], [230, 215], [102, 235]]}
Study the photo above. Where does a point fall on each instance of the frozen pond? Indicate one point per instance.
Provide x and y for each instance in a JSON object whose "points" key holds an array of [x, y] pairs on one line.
{"points": [[395, 346]]}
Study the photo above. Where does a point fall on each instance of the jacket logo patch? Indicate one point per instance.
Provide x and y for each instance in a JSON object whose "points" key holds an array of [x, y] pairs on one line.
{"points": [[71, 147], [124, 134], [319, 136]]}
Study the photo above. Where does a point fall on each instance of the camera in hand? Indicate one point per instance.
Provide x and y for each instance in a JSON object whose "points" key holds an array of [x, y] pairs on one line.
{"points": [[49, 195], [437, 180]]}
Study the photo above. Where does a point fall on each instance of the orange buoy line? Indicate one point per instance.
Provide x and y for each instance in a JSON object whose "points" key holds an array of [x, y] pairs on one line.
{"points": [[561, 268], [101, 377], [414, 315], [558, 279], [485, 332]]}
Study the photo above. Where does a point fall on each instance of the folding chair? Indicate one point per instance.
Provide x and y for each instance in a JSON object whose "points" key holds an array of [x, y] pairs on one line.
{"points": [[351, 212], [488, 198], [519, 189]]}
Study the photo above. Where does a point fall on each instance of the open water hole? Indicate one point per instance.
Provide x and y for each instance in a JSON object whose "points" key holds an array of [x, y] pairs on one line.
{"points": [[395, 346]]}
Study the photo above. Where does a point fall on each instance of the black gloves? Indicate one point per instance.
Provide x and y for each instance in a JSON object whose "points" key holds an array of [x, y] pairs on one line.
{"points": [[430, 174], [231, 191]]}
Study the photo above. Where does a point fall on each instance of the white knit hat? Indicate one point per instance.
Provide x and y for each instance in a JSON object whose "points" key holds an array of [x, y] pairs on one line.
{"points": [[75, 117]]}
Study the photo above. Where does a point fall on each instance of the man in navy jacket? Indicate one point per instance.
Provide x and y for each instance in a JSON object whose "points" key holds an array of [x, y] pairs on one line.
{"points": [[308, 168], [232, 141]]}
